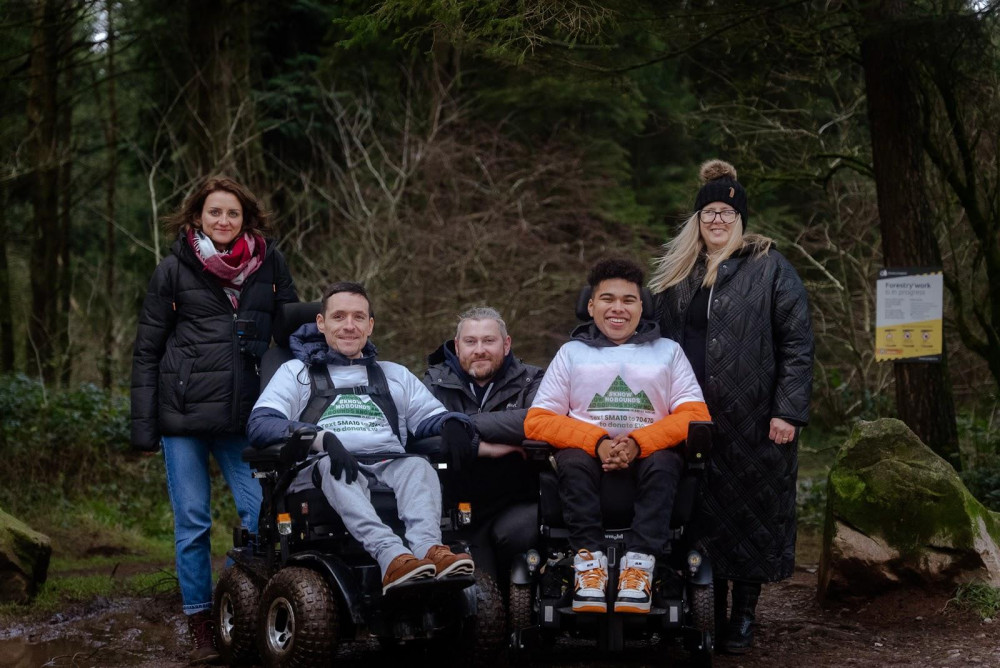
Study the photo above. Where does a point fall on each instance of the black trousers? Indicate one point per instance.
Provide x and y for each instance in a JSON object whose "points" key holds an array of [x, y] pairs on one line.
{"points": [[496, 541], [654, 479]]}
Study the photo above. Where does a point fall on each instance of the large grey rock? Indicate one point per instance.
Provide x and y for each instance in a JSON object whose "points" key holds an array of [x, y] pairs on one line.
{"points": [[899, 514], [24, 560]]}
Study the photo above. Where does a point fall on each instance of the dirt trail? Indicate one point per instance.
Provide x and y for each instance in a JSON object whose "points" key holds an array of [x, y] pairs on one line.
{"points": [[907, 628]]}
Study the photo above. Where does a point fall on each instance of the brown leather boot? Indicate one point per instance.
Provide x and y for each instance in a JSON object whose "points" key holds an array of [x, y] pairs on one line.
{"points": [[448, 563], [203, 635], [405, 568]]}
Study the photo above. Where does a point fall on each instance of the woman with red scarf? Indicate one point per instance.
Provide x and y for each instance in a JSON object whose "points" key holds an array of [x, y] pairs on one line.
{"points": [[205, 323]]}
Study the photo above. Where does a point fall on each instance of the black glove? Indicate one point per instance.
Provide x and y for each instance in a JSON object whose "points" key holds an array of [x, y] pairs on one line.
{"points": [[341, 461], [460, 442]]}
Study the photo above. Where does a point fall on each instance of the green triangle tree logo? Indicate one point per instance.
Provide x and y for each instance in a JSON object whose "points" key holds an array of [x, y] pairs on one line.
{"points": [[620, 397], [354, 406]]}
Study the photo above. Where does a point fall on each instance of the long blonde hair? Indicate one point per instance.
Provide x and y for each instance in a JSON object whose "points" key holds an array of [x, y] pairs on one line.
{"points": [[681, 253]]}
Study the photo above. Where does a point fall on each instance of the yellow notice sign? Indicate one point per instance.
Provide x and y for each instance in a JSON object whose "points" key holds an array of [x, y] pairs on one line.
{"points": [[908, 319]]}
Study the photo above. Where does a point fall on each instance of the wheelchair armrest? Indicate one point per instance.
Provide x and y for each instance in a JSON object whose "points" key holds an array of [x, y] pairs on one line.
{"points": [[431, 447], [294, 449], [375, 459], [698, 446], [536, 451], [269, 455]]}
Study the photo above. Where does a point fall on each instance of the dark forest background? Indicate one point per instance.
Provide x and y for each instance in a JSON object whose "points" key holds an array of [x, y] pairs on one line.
{"points": [[451, 153]]}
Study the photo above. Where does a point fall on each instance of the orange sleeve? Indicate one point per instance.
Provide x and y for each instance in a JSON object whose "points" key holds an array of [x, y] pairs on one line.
{"points": [[671, 430], [561, 431]]}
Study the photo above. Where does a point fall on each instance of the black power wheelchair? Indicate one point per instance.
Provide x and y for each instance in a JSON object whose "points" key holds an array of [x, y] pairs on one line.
{"points": [[542, 581], [302, 583]]}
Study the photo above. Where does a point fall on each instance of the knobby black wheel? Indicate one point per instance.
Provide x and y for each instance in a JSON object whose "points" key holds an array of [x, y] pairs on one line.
{"points": [[703, 619], [298, 620], [703, 607], [519, 606], [482, 640], [237, 598]]}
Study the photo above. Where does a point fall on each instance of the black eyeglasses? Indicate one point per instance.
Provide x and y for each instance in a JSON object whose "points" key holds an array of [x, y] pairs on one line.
{"points": [[708, 216]]}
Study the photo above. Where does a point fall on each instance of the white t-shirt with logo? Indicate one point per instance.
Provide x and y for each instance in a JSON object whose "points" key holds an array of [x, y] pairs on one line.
{"points": [[355, 418], [619, 388]]}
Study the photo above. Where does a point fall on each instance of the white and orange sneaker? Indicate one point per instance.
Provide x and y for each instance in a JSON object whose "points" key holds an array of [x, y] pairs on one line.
{"points": [[635, 578], [590, 582]]}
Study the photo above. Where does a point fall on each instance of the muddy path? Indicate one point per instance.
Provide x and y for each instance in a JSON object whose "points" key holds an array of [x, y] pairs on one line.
{"points": [[906, 628]]}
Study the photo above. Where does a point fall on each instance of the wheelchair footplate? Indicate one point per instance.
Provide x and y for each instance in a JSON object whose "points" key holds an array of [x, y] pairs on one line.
{"points": [[427, 586], [666, 612]]}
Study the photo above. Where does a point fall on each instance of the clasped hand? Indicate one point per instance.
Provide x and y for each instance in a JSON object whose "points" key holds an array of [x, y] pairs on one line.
{"points": [[618, 453]]}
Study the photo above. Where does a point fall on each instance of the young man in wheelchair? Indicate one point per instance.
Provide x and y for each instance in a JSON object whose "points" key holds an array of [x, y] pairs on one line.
{"points": [[367, 408], [614, 401]]}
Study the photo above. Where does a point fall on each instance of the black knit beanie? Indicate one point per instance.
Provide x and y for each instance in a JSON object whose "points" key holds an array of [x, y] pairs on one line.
{"points": [[721, 185]]}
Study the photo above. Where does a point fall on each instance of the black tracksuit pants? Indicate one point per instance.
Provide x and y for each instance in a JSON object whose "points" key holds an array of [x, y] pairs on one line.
{"points": [[654, 479]]}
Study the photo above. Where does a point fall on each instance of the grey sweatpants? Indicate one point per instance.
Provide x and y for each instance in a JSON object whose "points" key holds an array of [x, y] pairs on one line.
{"points": [[418, 498]]}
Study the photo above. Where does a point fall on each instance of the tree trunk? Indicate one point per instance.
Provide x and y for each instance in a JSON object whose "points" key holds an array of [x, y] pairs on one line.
{"points": [[41, 113], [62, 359], [6, 307], [923, 391], [111, 141], [220, 121]]}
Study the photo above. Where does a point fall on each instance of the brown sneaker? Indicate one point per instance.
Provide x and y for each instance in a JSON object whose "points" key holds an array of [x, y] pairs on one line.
{"points": [[203, 634], [448, 563], [404, 568]]}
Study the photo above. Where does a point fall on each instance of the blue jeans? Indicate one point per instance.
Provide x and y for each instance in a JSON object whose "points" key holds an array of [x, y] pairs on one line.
{"points": [[190, 488]]}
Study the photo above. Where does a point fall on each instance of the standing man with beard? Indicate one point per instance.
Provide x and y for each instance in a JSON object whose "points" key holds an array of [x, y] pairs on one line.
{"points": [[477, 374]]}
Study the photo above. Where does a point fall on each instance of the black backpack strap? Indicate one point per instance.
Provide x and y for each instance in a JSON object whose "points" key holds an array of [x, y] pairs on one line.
{"points": [[322, 393], [378, 388]]}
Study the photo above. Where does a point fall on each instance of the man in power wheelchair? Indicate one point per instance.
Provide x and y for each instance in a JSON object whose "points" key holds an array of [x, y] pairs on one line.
{"points": [[347, 475], [615, 403]]}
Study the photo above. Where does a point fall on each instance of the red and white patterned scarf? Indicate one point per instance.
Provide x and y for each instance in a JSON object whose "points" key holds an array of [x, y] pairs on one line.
{"points": [[232, 267]]}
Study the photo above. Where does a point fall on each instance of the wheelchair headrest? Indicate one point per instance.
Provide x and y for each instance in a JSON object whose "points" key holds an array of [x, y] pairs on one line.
{"points": [[644, 294], [291, 317]]}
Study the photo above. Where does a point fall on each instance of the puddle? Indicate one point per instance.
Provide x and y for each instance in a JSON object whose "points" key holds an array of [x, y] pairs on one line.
{"points": [[21, 654], [129, 632]]}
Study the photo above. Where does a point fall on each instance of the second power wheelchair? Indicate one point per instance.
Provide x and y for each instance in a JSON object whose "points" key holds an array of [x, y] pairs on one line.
{"points": [[542, 580]]}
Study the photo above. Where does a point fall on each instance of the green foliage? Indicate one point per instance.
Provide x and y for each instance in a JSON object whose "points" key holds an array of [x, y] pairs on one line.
{"points": [[811, 502], [35, 418], [977, 597], [504, 31], [984, 484], [979, 437], [68, 471], [62, 441], [59, 592]]}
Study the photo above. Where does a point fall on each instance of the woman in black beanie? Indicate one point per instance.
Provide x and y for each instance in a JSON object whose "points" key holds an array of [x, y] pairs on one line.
{"points": [[741, 313]]}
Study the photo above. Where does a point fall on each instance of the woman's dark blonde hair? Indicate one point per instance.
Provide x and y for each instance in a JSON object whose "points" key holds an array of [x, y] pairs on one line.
{"points": [[681, 253], [255, 216]]}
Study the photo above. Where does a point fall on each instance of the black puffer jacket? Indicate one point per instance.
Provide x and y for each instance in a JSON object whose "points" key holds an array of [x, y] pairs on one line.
{"points": [[191, 373], [758, 365], [492, 484]]}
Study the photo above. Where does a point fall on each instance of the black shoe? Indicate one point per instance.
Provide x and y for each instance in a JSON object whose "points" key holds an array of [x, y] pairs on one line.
{"points": [[739, 639]]}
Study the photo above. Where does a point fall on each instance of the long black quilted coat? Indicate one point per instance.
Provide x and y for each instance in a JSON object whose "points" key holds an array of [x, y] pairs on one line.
{"points": [[190, 373], [758, 365]]}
